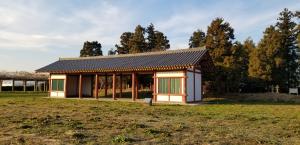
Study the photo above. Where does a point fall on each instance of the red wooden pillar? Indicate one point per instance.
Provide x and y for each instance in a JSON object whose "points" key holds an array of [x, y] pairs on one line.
{"points": [[133, 86], [154, 87], [105, 86], [121, 82], [136, 87], [65, 86], [194, 83], [80, 86], [96, 86], [184, 87], [114, 86]]}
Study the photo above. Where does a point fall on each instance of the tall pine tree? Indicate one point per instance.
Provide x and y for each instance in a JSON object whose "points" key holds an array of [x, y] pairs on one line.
{"points": [[288, 39], [219, 39], [124, 47], [91, 49], [197, 39], [137, 41]]}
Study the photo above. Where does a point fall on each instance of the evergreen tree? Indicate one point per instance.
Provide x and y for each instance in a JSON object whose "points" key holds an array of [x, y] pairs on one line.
{"points": [[156, 40], [112, 51], [137, 41], [161, 42], [264, 61], [91, 49], [151, 38], [219, 38], [125, 43], [286, 27], [197, 39]]}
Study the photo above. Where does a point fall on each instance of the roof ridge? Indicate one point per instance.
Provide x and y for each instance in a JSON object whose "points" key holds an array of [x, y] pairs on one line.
{"points": [[137, 54]]}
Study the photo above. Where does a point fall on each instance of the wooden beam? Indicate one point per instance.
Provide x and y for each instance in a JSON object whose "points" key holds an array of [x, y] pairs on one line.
{"points": [[114, 86], [80, 86], [154, 87], [105, 86], [121, 82], [96, 86], [133, 86]]}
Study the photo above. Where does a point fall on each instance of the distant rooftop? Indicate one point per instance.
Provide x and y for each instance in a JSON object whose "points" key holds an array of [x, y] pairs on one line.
{"points": [[23, 76]]}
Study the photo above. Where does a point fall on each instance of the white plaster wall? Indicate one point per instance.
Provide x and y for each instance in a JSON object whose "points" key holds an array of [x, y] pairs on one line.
{"points": [[190, 87], [58, 76], [198, 83], [57, 94], [162, 98], [87, 85], [176, 98], [170, 74]]}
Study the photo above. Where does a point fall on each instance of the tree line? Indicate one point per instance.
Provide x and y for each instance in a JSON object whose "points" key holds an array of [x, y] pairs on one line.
{"points": [[240, 66]]}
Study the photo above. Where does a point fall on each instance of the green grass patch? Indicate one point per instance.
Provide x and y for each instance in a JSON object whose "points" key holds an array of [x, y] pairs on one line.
{"points": [[30, 118]]}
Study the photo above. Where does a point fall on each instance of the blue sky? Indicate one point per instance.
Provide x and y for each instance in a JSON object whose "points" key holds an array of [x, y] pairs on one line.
{"points": [[34, 33]]}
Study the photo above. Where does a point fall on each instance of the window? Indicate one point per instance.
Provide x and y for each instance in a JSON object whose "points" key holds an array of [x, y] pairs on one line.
{"points": [[57, 85], [169, 86]]}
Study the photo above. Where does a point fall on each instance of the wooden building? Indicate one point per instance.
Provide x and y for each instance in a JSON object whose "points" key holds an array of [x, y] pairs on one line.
{"points": [[177, 74]]}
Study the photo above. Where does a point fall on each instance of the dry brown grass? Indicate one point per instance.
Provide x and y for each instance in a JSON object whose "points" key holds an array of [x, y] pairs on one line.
{"points": [[31, 119]]}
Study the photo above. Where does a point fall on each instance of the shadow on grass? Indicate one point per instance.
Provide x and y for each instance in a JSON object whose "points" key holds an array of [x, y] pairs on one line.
{"points": [[229, 101]]}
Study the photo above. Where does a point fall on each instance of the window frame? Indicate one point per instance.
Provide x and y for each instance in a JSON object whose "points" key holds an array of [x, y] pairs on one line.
{"points": [[57, 86], [169, 86]]}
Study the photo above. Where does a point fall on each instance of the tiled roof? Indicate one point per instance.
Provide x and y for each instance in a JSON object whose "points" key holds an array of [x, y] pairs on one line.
{"points": [[171, 59]]}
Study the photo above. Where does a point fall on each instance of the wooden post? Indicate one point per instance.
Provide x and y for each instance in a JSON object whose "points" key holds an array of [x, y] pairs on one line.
{"points": [[133, 86], [154, 87], [184, 87], [13, 85], [50, 86], [136, 87], [24, 86], [1, 85], [96, 86], [45, 86], [80, 86], [105, 86], [121, 82], [114, 86], [65, 87], [194, 83]]}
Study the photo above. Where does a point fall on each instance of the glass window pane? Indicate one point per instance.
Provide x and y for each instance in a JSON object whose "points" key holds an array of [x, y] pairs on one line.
{"points": [[54, 85], [175, 86], [60, 85], [163, 85]]}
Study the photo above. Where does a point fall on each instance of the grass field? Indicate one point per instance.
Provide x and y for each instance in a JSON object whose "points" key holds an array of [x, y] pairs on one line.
{"points": [[31, 119]]}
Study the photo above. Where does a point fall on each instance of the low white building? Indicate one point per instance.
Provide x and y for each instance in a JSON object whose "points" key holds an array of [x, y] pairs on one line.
{"points": [[177, 75]]}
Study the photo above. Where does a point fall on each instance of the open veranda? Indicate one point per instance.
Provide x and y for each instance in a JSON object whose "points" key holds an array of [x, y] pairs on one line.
{"points": [[32, 118]]}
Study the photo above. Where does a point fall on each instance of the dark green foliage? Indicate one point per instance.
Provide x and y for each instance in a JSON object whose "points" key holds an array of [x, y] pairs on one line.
{"points": [[219, 44], [112, 51], [197, 39], [91, 49], [142, 40], [125, 43], [286, 27], [137, 42]]}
